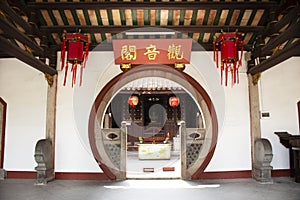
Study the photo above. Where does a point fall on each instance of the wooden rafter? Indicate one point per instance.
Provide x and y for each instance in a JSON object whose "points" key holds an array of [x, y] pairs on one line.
{"points": [[280, 46], [25, 57], [282, 55], [14, 16], [17, 34], [292, 14], [199, 20]]}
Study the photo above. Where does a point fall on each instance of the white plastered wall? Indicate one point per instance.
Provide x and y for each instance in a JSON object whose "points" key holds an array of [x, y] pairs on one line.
{"points": [[24, 89], [280, 92]]}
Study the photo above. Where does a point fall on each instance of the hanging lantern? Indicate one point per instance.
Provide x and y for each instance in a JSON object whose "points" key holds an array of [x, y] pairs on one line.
{"points": [[133, 101], [174, 101], [77, 46], [229, 44]]}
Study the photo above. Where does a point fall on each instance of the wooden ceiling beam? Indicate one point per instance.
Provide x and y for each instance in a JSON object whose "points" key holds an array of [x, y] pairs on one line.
{"points": [[150, 5], [21, 37], [286, 19], [280, 56], [31, 29], [291, 32], [27, 58], [286, 35], [119, 29], [14, 16]]}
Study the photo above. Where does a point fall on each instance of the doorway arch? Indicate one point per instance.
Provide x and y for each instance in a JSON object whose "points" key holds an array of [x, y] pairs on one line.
{"points": [[106, 94]]}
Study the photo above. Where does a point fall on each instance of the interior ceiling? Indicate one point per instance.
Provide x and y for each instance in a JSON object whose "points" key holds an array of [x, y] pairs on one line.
{"points": [[270, 28]]}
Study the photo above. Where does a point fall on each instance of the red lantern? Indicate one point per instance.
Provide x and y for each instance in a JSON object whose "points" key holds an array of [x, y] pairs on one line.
{"points": [[77, 46], [133, 101], [229, 44], [174, 101]]}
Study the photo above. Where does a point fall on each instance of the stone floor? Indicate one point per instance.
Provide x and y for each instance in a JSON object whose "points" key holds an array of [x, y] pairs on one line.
{"points": [[231, 189], [135, 167]]}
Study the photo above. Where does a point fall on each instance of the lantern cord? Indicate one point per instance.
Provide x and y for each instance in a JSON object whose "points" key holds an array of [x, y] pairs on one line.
{"points": [[233, 74], [66, 73]]}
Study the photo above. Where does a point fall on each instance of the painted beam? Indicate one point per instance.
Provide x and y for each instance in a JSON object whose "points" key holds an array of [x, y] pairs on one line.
{"points": [[108, 47], [151, 5], [119, 29], [27, 58]]}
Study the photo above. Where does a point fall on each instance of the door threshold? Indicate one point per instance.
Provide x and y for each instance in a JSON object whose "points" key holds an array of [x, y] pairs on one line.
{"points": [[153, 178]]}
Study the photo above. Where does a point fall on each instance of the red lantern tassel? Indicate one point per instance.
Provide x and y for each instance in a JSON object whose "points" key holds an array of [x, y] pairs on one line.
{"points": [[217, 58], [74, 71], [237, 76], [86, 54], [216, 54], [226, 72], [63, 53], [221, 71], [66, 73], [234, 72]]}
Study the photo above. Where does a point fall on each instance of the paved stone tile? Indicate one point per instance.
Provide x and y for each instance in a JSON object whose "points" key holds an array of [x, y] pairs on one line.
{"points": [[231, 189]]}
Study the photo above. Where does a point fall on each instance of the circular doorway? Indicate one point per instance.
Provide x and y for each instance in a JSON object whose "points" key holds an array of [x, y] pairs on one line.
{"points": [[110, 156]]}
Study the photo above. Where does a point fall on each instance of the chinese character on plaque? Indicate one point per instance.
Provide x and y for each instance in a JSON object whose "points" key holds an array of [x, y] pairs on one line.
{"points": [[151, 52], [174, 52], [128, 52]]}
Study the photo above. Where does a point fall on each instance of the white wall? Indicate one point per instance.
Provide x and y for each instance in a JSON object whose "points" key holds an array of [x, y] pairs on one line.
{"points": [[233, 150], [24, 90], [280, 92], [73, 153]]}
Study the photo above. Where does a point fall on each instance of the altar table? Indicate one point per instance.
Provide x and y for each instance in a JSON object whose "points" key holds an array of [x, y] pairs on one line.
{"points": [[154, 151]]}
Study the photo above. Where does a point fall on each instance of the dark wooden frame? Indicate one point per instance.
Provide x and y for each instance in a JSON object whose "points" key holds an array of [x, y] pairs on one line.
{"points": [[3, 131]]}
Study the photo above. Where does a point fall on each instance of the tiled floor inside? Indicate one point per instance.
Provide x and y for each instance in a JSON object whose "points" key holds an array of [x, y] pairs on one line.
{"points": [[135, 167]]}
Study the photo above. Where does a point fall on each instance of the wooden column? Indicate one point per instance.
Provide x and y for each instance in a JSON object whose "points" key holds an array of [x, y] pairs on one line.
{"points": [[255, 128], [51, 115]]}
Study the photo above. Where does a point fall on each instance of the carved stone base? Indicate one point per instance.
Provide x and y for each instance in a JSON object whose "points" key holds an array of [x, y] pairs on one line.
{"points": [[262, 158], [2, 174], [43, 156], [44, 176], [263, 174]]}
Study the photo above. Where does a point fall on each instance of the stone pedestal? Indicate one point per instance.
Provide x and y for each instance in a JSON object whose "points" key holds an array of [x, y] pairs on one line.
{"points": [[262, 159], [2, 174], [43, 157]]}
